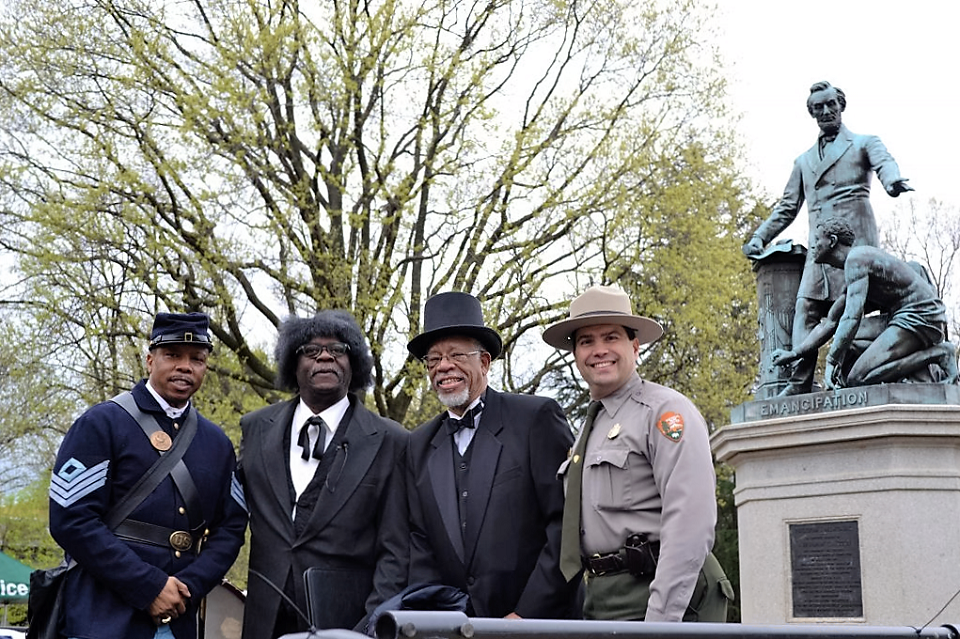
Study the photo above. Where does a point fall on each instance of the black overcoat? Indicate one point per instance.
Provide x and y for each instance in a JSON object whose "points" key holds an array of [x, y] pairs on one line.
{"points": [[358, 526], [507, 558]]}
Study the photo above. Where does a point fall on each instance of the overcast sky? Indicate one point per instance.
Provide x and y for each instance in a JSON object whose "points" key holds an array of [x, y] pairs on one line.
{"points": [[896, 62]]}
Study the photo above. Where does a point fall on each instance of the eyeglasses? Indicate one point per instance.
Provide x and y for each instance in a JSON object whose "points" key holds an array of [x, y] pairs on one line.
{"points": [[432, 361], [313, 351]]}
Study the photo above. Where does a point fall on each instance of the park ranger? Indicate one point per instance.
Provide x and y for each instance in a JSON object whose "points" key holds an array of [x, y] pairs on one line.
{"points": [[640, 504]]}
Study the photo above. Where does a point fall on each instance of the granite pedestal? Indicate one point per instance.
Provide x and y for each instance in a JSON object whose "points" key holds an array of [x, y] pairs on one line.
{"points": [[848, 505]]}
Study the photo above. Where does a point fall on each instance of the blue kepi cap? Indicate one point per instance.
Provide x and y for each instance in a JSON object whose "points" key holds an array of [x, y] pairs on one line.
{"points": [[180, 328]]}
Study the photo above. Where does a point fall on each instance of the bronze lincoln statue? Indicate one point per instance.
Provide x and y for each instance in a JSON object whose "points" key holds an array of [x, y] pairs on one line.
{"points": [[833, 178]]}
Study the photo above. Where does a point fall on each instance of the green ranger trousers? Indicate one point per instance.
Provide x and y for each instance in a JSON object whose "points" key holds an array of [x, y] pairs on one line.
{"points": [[623, 597]]}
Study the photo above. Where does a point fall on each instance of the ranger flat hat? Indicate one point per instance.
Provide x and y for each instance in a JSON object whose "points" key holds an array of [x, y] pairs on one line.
{"points": [[601, 305], [180, 328], [453, 313]]}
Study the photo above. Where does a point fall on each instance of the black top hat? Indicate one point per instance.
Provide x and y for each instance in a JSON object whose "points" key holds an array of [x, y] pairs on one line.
{"points": [[180, 328], [453, 313]]}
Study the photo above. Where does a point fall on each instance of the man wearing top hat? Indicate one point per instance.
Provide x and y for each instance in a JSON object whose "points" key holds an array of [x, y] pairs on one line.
{"points": [[147, 577], [324, 480], [640, 502], [485, 502]]}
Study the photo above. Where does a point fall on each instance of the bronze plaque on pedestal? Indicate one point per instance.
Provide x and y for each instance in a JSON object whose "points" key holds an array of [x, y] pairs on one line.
{"points": [[825, 570]]}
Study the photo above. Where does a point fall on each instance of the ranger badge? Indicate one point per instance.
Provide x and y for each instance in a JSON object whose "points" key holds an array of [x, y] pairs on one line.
{"points": [[670, 424]]}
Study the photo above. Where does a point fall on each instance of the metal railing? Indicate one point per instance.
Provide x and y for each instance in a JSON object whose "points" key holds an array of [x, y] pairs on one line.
{"points": [[409, 624], [455, 625]]}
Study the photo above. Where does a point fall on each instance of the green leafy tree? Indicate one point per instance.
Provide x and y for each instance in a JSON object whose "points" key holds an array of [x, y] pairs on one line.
{"points": [[727, 544], [33, 413], [23, 526], [675, 249], [255, 160]]}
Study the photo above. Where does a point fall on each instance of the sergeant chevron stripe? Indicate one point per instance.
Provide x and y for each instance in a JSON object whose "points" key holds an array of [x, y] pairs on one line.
{"points": [[236, 491], [75, 481]]}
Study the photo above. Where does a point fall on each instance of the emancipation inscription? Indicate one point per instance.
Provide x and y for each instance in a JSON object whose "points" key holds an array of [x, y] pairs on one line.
{"points": [[845, 398]]}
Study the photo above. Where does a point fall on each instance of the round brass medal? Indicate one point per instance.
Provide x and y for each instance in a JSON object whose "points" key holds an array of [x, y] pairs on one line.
{"points": [[161, 441]]}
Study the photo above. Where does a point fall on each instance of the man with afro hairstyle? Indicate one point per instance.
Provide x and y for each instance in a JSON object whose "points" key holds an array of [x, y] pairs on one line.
{"points": [[324, 482]]}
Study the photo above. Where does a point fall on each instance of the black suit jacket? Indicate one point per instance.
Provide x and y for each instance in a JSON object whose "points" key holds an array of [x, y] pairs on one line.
{"points": [[507, 559], [360, 526]]}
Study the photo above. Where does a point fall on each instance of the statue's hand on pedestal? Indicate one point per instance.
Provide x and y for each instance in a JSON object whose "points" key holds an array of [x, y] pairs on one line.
{"points": [[833, 376], [782, 357], [754, 247]]}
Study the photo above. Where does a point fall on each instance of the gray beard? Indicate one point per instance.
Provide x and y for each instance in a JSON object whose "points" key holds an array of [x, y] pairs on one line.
{"points": [[453, 400]]}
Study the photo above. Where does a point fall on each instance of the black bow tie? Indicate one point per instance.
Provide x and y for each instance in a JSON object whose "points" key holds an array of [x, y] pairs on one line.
{"points": [[304, 439], [468, 420]]}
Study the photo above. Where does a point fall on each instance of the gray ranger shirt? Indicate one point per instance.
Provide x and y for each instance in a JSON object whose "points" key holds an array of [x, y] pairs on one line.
{"points": [[648, 469]]}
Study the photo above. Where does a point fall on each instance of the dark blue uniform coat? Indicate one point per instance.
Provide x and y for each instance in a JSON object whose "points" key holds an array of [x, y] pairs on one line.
{"points": [[102, 456]]}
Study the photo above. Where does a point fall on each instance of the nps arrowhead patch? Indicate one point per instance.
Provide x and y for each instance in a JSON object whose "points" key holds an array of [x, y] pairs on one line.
{"points": [[670, 425]]}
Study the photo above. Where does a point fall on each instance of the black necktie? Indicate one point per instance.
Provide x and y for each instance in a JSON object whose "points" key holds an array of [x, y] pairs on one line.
{"points": [[468, 420], [304, 439], [570, 526]]}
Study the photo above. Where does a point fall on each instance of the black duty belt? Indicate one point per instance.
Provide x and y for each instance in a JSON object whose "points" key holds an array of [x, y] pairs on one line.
{"points": [[605, 564], [638, 557], [132, 530]]}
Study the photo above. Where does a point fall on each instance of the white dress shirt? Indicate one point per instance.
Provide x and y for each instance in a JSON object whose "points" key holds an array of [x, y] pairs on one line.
{"points": [[302, 470]]}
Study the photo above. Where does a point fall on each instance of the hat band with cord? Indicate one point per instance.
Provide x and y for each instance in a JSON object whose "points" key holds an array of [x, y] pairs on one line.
{"points": [[601, 312], [181, 338], [600, 305], [488, 338]]}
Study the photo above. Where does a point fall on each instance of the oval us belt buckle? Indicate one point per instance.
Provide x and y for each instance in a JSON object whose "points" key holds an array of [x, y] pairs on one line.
{"points": [[181, 540]]}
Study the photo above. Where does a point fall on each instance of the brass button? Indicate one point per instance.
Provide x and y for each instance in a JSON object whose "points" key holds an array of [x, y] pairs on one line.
{"points": [[177, 553], [183, 511]]}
